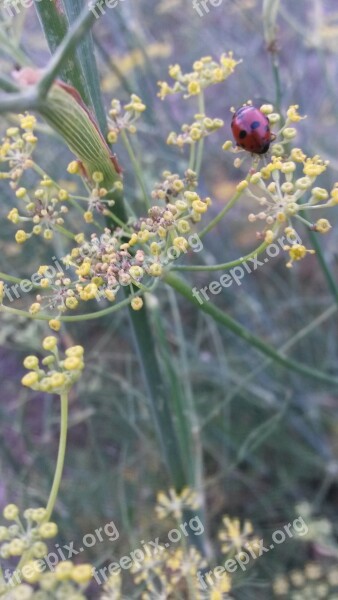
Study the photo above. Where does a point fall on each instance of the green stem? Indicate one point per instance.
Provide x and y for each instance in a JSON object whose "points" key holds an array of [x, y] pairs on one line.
{"points": [[185, 290], [86, 317], [224, 266], [136, 166], [61, 456], [223, 212], [68, 45], [200, 146], [158, 397], [192, 156], [55, 27]]}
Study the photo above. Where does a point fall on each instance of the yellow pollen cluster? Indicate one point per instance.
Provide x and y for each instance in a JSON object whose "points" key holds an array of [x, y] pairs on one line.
{"points": [[206, 72]]}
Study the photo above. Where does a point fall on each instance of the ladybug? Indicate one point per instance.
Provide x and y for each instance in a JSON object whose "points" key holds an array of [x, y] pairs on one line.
{"points": [[251, 130]]}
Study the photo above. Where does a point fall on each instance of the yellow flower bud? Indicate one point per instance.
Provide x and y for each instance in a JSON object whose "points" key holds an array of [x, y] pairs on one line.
{"points": [[155, 270], [323, 226], [21, 192], [73, 167], [31, 571], [81, 574], [88, 216], [63, 570], [10, 512], [73, 363], [48, 530], [31, 362], [194, 88], [21, 236], [72, 303], [35, 308], [136, 303], [57, 380], [30, 379], [55, 324], [49, 343]]}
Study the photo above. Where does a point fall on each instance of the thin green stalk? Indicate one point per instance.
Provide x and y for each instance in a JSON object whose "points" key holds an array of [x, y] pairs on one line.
{"points": [[330, 280], [192, 156], [224, 266], [86, 317], [136, 166], [61, 456], [10, 278], [223, 212], [200, 146], [218, 315]]}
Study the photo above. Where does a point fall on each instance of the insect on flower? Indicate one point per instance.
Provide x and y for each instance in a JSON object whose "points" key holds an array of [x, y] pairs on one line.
{"points": [[251, 130]]}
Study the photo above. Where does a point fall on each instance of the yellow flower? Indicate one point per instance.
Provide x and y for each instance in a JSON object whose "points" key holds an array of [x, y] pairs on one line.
{"points": [[31, 571], [27, 122], [57, 380], [155, 270], [30, 379], [180, 243], [292, 114], [71, 303], [297, 252], [242, 186], [48, 530], [10, 512], [323, 226], [136, 303], [88, 216], [175, 71], [74, 167], [63, 570], [194, 88], [31, 362], [174, 503], [234, 535], [21, 236], [13, 216], [34, 308], [49, 343], [55, 324], [199, 206], [220, 587], [98, 177], [73, 363], [82, 573], [75, 351], [16, 547]]}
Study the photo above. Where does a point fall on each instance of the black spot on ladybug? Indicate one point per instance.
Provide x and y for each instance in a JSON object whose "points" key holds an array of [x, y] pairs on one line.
{"points": [[255, 124], [242, 134]]}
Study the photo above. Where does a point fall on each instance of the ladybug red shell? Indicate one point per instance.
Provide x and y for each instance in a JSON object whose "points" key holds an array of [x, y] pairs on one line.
{"points": [[251, 130]]}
